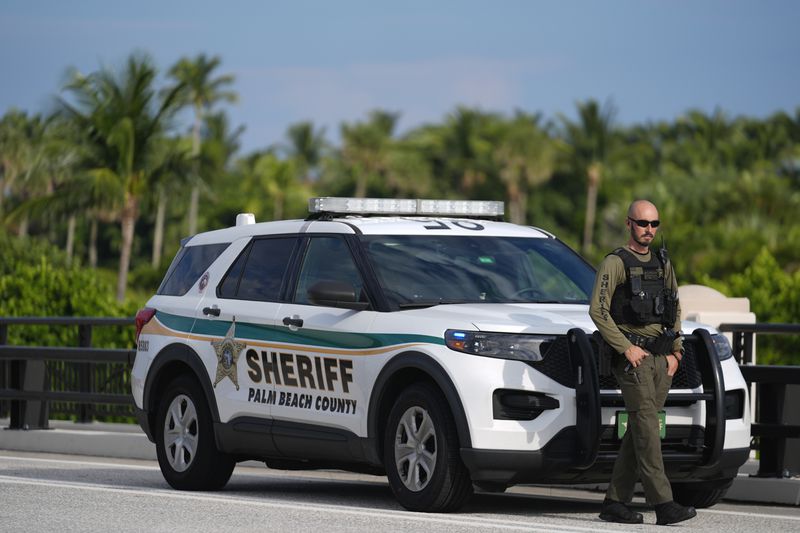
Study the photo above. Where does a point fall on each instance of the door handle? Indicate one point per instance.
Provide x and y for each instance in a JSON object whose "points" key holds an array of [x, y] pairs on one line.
{"points": [[295, 321], [213, 311]]}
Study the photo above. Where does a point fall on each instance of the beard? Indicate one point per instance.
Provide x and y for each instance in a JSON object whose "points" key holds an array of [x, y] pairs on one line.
{"points": [[644, 240]]}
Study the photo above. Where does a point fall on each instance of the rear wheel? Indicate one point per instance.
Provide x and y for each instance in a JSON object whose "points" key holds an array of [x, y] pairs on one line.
{"points": [[421, 453], [187, 453], [700, 495]]}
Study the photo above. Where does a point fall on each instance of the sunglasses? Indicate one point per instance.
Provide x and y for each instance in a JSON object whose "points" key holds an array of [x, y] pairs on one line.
{"points": [[645, 223]]}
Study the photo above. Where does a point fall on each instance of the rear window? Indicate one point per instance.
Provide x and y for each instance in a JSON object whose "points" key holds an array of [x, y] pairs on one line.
{"points": [[258, 273], [189, 264]]}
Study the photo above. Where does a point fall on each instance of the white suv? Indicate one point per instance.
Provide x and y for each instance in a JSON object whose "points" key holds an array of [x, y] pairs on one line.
{"points": [[424, 339]]}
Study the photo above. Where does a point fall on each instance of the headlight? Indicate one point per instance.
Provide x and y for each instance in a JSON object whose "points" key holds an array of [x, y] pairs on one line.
{"points": [[500, 345], [722, 346]]}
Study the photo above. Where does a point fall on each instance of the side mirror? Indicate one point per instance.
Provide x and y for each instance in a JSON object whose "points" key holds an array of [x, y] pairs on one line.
{"points": [[335, 294]]}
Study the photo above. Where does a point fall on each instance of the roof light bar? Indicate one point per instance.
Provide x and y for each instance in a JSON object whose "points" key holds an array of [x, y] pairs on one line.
{"points": [[391, 206]]}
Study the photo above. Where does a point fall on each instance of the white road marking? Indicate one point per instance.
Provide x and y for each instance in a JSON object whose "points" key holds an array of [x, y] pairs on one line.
{"points": [[7, 479], [81, 463], [472, 522], [752, 515]]}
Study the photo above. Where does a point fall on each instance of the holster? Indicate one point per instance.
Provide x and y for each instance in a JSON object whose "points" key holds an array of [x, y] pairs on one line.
{"points": [[662, 345]]}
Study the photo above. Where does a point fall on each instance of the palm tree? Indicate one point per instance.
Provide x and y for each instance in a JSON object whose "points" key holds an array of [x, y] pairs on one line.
{"points": [[366, 147], [460, 150], [124, 121], [526, 156], [305, 148], [169, 180], [591, 139], [20, 139], [268, 177], [705, 142], [201, 91]]}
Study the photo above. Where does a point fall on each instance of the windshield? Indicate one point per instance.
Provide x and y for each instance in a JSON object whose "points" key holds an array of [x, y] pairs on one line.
{"points": [[423, 270]]}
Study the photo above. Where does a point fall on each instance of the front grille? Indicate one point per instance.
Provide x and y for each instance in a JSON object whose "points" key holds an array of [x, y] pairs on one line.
{"points": [[556, 365]]}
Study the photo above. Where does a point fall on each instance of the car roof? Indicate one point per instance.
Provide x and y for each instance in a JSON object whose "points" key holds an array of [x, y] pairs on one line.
{"points": [[373, 225]]}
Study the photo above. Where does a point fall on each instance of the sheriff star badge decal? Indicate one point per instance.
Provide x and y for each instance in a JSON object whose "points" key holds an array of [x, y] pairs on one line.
{"points": [[228, 351]]}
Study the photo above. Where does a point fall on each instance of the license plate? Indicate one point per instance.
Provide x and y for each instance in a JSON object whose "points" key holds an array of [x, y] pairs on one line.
{"points": [[622, 423]]}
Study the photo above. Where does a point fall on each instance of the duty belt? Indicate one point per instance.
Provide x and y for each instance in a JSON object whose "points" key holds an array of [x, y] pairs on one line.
{"points": [[640, 340]]}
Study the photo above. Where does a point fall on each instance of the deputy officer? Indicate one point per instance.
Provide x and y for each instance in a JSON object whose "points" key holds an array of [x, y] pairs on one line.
{"points": [[635, 308]]}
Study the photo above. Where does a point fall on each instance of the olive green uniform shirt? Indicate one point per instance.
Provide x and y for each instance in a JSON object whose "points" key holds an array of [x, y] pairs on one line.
{"points": [[611, 275]]}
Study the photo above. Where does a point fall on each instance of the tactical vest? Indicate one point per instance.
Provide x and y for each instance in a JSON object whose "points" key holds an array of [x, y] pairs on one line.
{"points": [[646, 299]]}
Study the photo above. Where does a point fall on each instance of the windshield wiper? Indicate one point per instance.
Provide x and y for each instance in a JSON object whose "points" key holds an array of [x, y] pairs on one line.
{"points": [[429, 303], [535, 302]]}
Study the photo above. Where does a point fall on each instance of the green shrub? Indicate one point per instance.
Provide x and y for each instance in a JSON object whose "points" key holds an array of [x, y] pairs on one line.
{"points": [[35, 282], [774, 297]]}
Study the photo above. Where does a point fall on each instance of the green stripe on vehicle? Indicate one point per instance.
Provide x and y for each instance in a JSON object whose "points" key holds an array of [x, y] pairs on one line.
{"points": [[305, 336]]}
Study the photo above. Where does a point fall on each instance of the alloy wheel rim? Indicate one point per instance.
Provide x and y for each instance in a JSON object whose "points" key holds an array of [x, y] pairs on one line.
{"points": [[415, 448], [181, 433]]}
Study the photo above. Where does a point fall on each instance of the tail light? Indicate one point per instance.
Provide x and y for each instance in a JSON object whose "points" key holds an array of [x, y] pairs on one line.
{"points": [[143, 316]]}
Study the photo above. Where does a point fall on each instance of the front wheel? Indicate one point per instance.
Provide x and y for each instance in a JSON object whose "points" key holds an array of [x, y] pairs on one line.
{"points": [[187, 453], [421, 453], [701, 495]]}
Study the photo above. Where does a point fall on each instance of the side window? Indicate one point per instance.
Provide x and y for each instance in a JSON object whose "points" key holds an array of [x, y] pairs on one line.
{"points": [[258, 272], [328, 259], [230, 283], [189, 264]]}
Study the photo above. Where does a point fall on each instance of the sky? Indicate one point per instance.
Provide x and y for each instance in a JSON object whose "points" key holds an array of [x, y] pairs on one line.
{"points": [[336, 60]]}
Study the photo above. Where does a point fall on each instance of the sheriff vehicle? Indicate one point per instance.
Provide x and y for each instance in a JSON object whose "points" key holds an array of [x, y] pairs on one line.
{"points": [[424, 339]]}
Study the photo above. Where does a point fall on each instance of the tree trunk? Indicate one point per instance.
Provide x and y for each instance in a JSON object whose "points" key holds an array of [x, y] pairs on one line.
{"points": [[593, 183], [194, 199], [93, 243], [70, 238], [128, 220], [22, 229], [194, 202], [361, 184], [522, 206], [158, 232], [278, 207]]}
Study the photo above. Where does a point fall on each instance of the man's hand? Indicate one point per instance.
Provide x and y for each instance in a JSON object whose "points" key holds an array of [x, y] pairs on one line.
{"points": [[673, 362], [635, 354]]}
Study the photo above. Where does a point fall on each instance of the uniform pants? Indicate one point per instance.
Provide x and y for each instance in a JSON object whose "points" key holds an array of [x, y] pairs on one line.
{"points": [[640, 450]]}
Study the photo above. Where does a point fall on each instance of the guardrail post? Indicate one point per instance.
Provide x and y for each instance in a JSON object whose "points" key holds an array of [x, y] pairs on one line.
{"points": [[5, 371], [85, 371], [779, 458], [28, 376]]}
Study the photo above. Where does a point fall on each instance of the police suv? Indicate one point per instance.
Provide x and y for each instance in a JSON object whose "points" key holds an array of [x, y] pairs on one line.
{"points": [[424, 339]]}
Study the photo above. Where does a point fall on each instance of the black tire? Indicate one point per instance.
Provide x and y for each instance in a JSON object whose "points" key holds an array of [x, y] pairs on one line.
{"points": [[701, 495], [187, 453], [430, 477]]}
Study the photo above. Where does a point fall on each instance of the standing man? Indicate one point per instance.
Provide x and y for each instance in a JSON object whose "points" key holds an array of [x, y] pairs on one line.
{"points": [[635, 308]]}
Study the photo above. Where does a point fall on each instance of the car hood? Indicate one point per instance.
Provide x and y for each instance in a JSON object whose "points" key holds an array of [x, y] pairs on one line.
{"points": [[510, 318]]}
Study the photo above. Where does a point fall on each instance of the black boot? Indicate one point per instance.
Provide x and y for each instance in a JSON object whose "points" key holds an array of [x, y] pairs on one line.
{"points": [[618, 512], [672, 513]]}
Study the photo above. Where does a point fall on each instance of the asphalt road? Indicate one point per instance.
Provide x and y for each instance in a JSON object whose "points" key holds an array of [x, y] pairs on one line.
{"points": [[40, 492]]}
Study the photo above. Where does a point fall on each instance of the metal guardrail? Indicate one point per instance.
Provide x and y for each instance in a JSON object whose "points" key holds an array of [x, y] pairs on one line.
{"points": [[743, 345], [777, 394], [25, 379]]}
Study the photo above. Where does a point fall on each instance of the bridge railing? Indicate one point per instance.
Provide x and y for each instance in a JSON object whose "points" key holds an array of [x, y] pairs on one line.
{"points": [[34, 378], [78, 382], [775, 419]]}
